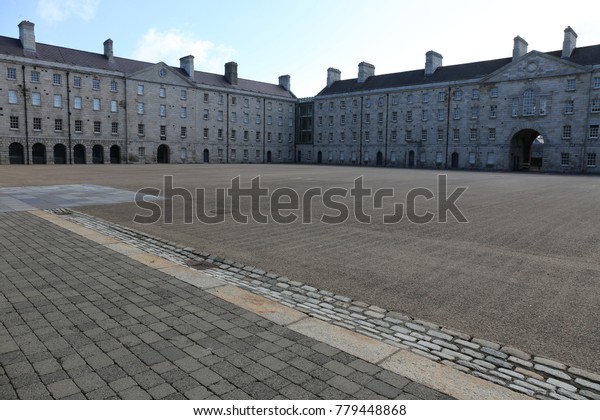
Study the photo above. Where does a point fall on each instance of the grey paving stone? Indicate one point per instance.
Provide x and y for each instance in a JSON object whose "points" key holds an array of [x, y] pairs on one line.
{"points": [[383, 388], [344, 385], [35, 391], [338, 368], [259, 391], [134, 393], [424, 392], [198, 393], [161, 391], [63, 388]]}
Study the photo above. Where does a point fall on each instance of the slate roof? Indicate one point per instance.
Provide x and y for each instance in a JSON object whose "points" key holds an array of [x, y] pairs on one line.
{"points": [[68, 56], [583, 56]]}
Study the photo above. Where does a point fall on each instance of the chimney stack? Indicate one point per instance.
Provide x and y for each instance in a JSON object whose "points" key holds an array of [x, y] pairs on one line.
{"points": [[284, 82], [108, 50], [365, 70], [27, 36], [187, 64], [569, 42], [333, 75], [433, 60], [231, 74], [520, 48]]}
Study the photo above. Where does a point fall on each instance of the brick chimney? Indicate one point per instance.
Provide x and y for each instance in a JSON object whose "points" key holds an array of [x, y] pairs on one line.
{"points": [[187, 64], [333, 75], [108, 50], [284, 82], [231, 74], [365, 70], [520, 48], [569, 42], [433, 60], [27, 36]]}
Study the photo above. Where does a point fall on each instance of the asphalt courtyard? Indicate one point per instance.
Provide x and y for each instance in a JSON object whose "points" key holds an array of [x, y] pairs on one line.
{"points": [[524, 271]]}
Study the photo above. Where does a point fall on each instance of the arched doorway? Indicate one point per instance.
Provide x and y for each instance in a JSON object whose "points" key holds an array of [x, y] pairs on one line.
{"points": [[97, 154], [454, 160], [60, 154], [411, 159], [38, 154], [79, 154], [162, 154], [379, 159], [16, 154], [206, 156], [320, 157], [527, 150], [115, 154], [269, 156], [299, 156]]}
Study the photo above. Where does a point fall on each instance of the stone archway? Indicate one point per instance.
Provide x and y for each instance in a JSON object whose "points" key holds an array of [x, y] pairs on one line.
{"points": [[79, 154], [60, 154], [16, 154], [527, 150], [38, 154], [97, 154], [163, 154], [115, 154]]}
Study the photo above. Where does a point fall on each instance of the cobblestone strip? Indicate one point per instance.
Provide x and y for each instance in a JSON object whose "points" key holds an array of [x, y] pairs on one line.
{"points": [[535, 376]]}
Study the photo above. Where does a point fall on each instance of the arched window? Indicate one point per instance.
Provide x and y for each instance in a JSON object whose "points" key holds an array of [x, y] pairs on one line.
{"points": [[528, 102]]}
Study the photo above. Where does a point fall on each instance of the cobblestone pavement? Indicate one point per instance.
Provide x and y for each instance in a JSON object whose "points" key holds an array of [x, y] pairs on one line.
{"points": [[78, 320]]}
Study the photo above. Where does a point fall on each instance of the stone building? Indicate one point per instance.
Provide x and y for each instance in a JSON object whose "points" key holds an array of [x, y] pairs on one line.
{"points": [[532, 111], [69, 106]]}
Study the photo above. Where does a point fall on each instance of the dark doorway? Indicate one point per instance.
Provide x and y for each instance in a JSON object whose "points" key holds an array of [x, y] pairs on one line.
{"points": [[411, 159], [320, 157], [38, 154], [379, 159], [206, 156], [79, 154], [454, 161], [115, 154], [97, 154], [269, 156], [16, 154], [162, 154], [299, 156], [60, 154], [527, 150]]}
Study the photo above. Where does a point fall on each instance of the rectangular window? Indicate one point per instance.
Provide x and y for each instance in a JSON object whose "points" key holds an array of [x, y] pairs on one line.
{"points": [[96, 104], [473, 134], [409, 117], [163, 132], [331, 120], [35, 76], [233, 154], [471, 158], [37, 123], [114, 128], [564, 159], [594, 131], [367, 118], [330, 137], [456, 134], [394, 116], [290, 122], [232, 134], [426, 98], [77, 102], [342, 136], [380, 118], [440, 115], [233, 100], [183, 112], [269, 120], [367, 102], [569, 106], [258, 136], [440, 134], [566, 132], [258, 104], [492, 133], [591, 159], [425, 115], [380, 135], [78, 126], [220, 134], [205, 132], [95, 84], [595, 107], [77, 81], [57, 101], [474, 113], [141, 129], [141, 152], [319, 120], [354, 136], [162, 92], [114, 86], [140, 89], [12, 96], [140, 108], [114, 106], [270, 136], [441, 96], [457, 113], [246, 118], [97, 127], [596, 82], [475, 94], [394, 135], [11, 73], [491, 158], [205, 114], [354, 118], [423, 135], [367, 135], [394, 100], [493, 111], [56, 79], [408, 135], [233, 117], [571, 84], [205, 98], [343, 119], [258, 119], [439, 158], [183, 95], [409, 98], [494, 92], [58, 124], [14, 123], [458, 95]]}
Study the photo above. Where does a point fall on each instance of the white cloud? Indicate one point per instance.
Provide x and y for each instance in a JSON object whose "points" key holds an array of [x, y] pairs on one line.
{"points": [[61, 10], [171, 45]]}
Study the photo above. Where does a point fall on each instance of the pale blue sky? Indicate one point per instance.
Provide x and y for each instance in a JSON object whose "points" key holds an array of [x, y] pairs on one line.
{"points": [[303, 38]]}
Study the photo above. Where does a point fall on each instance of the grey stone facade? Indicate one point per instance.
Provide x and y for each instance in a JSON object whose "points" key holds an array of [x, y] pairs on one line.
{"points": [[535, 111], [68, 106]]}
